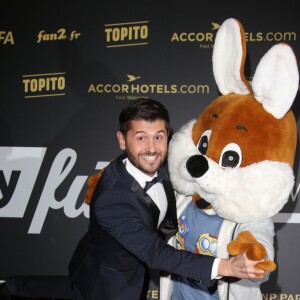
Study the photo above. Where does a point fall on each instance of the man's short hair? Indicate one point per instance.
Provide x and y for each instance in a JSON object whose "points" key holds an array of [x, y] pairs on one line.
{"points": [[143, 109]]}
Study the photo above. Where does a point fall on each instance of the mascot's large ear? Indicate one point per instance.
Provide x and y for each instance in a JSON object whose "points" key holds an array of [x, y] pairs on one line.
{"points": [[229, 57], [276, 79]]}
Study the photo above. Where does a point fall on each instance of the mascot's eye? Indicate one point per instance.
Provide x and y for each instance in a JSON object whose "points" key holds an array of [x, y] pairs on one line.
{"points": [[231, 156], [203, 142]]}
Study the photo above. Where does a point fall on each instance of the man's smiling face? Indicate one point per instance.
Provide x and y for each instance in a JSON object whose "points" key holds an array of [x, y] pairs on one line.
{"points": [[145, 144]]}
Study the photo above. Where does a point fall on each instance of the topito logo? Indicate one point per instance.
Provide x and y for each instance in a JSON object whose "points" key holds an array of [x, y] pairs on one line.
{"points": [[127, 34]]}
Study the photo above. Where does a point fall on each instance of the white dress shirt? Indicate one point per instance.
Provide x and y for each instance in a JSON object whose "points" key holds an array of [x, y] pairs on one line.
{"points": [[156, 192]]}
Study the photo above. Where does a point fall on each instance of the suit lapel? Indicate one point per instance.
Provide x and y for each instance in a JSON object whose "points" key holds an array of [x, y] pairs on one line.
{"points": [[135, 187], [169, 225], [151, 204]]}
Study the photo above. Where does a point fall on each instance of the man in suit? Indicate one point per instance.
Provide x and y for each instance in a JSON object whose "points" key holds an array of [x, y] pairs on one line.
{"points": [[130, 221]]}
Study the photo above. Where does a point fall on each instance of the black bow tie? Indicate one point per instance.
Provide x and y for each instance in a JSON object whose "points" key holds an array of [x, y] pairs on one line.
{"points": [[158, 178]]}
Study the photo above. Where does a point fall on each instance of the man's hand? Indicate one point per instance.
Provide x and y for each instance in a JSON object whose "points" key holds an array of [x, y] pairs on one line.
{"points": [[239, 266]]}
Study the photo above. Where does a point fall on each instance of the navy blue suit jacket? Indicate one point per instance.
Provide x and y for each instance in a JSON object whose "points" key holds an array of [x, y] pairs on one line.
{"points": [[109, 261]]}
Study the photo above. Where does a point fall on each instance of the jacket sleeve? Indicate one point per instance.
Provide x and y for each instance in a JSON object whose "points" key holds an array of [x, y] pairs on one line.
{"points": [[119, 214]]}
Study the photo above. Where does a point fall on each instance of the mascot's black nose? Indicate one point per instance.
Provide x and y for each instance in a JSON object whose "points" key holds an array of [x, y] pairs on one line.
{"points": [[197, 165]]}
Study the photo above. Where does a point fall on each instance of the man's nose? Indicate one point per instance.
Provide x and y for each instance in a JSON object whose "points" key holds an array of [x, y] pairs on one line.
{"points": [[151, 145]]}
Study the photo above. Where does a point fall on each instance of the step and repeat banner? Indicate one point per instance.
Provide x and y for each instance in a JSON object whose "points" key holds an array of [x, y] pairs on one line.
{"points": [[68, 68]]}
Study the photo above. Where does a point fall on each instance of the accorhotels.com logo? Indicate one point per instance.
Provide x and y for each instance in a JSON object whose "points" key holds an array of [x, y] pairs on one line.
{"points": [[133, 87], [206, 38], [44, 85], [127, 34]]}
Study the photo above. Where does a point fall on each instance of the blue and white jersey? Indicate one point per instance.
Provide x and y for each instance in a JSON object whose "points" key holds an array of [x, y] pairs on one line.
{"points": [[198, 232]]}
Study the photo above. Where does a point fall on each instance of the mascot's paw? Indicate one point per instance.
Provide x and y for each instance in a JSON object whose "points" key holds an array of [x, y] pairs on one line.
{"points": [[266, 265], [247, 243], [92, 182]]}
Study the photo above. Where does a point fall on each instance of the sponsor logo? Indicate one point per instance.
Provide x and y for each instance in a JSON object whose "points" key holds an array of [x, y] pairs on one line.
{"points": [[127, 34], [19, 171], [206, 39], [133, 89], [6, 37], [61, 34], [44, 85], [273, 296]]}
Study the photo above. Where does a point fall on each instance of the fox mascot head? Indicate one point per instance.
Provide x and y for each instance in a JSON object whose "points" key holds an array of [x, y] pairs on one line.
{"points": [[238, 155]]}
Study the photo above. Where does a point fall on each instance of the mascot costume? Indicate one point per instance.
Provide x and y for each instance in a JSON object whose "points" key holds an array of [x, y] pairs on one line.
{"points": [[232, 167]]}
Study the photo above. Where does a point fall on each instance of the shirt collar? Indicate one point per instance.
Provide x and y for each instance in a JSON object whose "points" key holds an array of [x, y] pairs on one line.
{"points": [[138, 175]]}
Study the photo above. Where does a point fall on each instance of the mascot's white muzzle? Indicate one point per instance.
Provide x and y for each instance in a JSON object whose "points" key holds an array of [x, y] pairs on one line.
{"points": [[209, 175], [250, 193]]}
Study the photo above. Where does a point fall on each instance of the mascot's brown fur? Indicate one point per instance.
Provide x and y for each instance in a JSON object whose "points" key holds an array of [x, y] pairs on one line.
{"points": [[92, 182]]}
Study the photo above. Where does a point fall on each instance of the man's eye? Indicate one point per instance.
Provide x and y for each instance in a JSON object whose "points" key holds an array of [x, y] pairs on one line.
{"points": [[159, 138]]}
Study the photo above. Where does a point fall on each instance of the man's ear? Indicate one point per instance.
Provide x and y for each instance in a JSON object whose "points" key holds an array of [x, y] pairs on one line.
{"points": [[121, 139]]}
